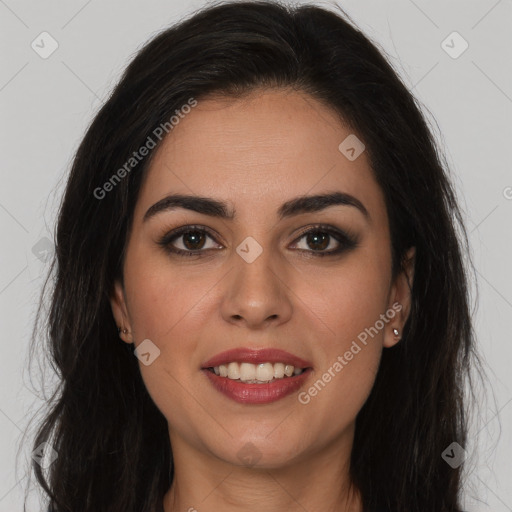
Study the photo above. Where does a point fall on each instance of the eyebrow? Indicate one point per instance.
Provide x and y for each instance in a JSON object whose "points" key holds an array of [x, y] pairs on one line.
{"points": [[220, 209]]}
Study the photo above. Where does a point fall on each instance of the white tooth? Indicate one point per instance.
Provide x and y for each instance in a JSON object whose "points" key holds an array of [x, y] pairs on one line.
{"points": [[233, 371], [247, 371], [251, 373], [288, 370], [279, 370], [265, 372]]}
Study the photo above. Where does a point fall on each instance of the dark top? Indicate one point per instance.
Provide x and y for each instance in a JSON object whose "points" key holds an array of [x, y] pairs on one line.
{"points": [[161, 509]]}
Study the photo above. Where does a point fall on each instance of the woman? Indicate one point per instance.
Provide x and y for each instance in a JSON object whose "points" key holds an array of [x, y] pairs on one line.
{"points": [[260, 301]]}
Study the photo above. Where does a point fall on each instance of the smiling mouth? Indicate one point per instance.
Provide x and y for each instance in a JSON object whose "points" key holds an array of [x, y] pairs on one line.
{"points": [[261, 373]]}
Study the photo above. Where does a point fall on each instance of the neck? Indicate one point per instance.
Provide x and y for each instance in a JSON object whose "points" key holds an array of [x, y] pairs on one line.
{"points": [[321, 481]]}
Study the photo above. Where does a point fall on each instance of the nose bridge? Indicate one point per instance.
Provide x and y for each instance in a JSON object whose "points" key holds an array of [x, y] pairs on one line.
{"points": [[255, 290]]}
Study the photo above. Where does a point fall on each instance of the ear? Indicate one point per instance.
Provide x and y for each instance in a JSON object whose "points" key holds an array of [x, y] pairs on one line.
{"points": [[400, 299], [120, 312]]}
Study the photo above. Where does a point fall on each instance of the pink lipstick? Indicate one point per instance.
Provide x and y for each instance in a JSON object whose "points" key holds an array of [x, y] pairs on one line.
{"points": [[256, 376]]}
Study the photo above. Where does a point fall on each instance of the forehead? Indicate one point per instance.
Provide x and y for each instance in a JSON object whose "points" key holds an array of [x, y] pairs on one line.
{"points": [[259, 151]]}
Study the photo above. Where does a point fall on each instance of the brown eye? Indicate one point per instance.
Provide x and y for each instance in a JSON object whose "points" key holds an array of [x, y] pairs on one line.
{"points": [[317, 240], [189, 241], [193, 240], [325, 241]]}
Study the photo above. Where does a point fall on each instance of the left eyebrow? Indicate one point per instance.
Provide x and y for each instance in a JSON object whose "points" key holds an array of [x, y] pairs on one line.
{"points": [[216, 208]]}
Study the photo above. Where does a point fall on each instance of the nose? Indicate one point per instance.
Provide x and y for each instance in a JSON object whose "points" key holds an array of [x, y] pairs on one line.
{"points": [[256, 294]]}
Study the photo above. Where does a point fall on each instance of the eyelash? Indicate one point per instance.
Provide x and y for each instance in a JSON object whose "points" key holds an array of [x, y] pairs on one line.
{"points": [[345, 240]]}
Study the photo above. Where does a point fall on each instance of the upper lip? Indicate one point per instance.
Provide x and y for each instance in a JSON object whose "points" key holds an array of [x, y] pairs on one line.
{"points": [[256, 356]]}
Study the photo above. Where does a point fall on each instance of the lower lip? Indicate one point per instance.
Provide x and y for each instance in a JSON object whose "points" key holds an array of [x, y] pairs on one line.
{"points": [[257, 393]]}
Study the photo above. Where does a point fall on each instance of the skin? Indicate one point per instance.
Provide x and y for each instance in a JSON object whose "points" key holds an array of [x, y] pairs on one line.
{"points": [[256, 153]]}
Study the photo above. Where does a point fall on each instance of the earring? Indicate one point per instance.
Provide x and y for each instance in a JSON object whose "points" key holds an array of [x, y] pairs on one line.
{"points": [[396, 332], [124, 330]]}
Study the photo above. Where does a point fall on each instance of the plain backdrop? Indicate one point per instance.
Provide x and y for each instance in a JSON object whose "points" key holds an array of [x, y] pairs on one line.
{"points": [[47, 101]]}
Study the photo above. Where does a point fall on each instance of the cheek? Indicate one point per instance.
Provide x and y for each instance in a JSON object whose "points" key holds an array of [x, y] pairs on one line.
{"points": [[347, 299], [351, 303], [164, 297], [167, 308]]}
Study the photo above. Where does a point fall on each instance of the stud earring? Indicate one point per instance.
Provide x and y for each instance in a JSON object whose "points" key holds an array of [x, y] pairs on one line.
{"points": [[124, 330], [396, 332]]}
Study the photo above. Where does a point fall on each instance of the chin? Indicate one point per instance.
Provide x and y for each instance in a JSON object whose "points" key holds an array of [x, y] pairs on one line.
{"points": [[261, 453]]}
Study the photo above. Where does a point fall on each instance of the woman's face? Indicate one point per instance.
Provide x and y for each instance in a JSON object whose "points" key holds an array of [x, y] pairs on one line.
{"points": [[255, 279]]}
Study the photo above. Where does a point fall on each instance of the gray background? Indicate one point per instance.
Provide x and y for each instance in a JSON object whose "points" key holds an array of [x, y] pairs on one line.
{"points": [[46, 105]]}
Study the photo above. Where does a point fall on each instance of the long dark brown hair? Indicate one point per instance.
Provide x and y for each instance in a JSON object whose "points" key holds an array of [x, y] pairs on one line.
{"points": [[112, 442]]}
